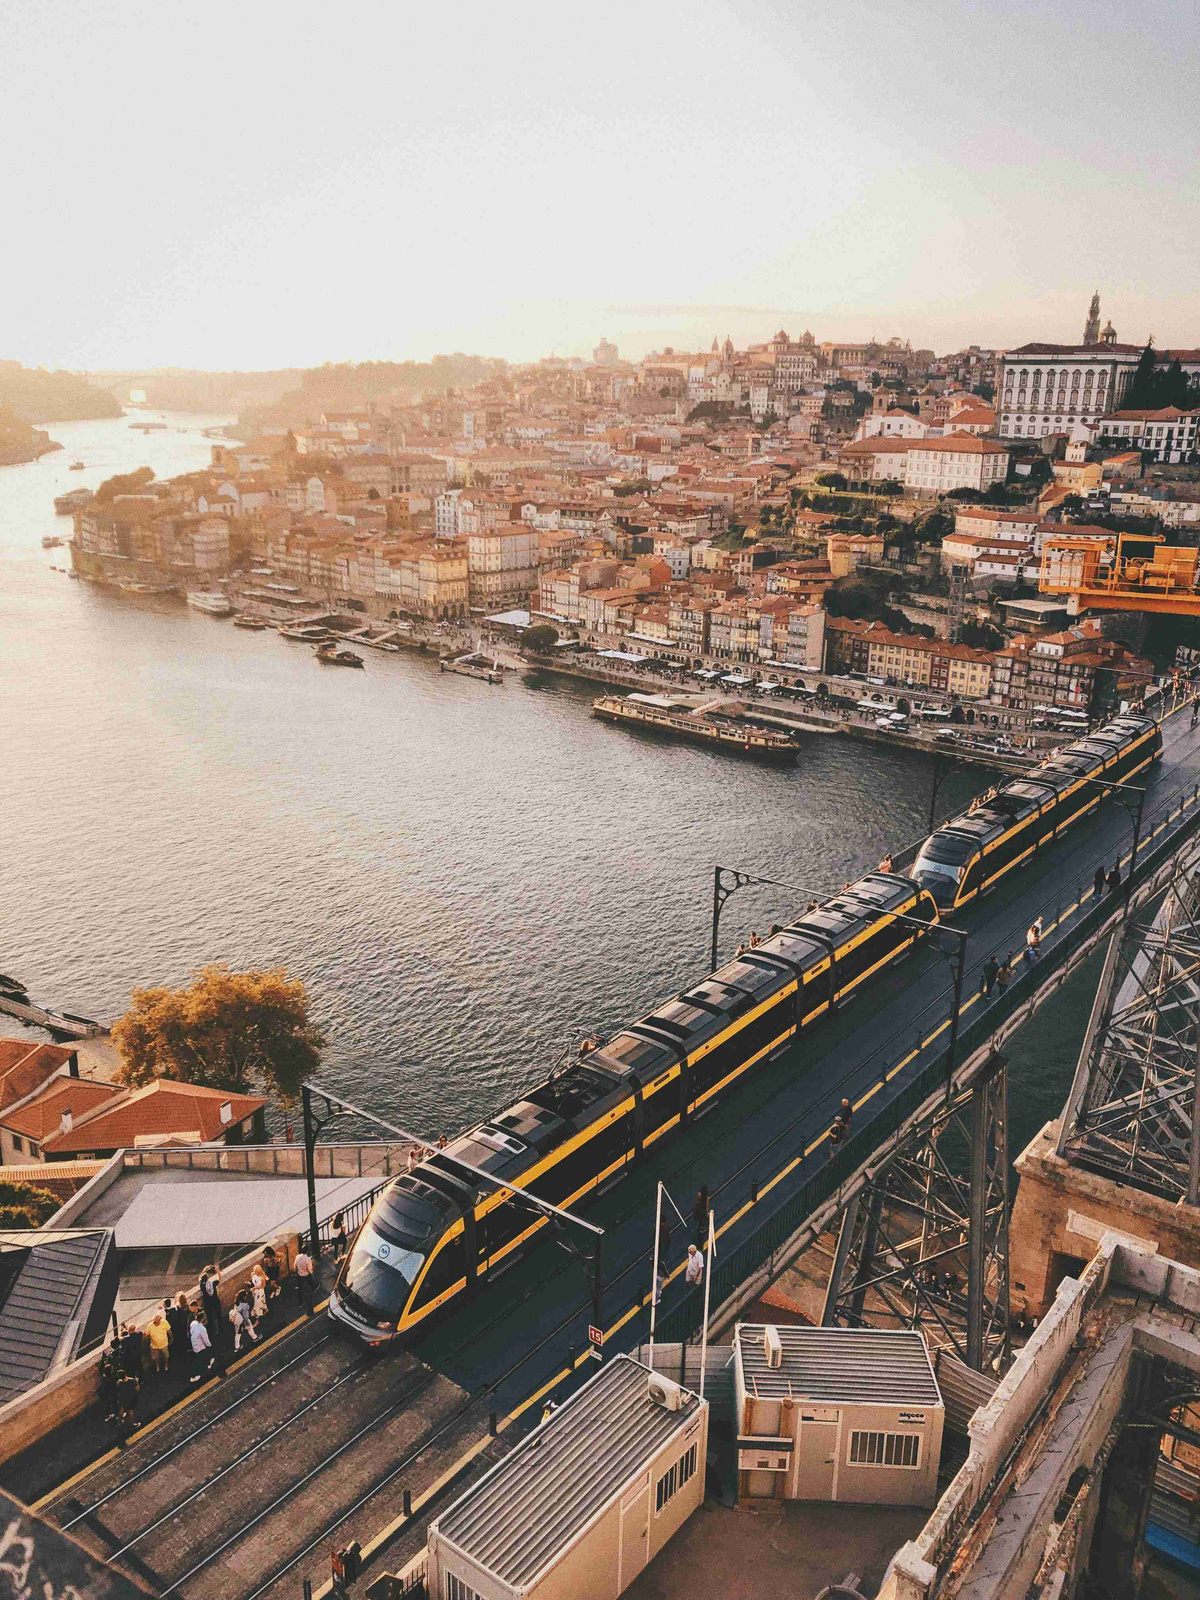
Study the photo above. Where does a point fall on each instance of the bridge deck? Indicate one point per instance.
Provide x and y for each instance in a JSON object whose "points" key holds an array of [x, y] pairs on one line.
{"points": [[522, 1338]]}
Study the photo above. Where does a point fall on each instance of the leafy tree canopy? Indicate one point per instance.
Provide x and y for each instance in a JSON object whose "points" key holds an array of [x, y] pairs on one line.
{"points": [[832, 480], [981, 636], [540, 639], [24, 1206], [236, 1031], [125, 483], [710, 411]]}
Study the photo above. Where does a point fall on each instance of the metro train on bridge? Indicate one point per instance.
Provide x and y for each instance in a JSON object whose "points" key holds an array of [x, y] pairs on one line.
{"points": [[441, 1230]]}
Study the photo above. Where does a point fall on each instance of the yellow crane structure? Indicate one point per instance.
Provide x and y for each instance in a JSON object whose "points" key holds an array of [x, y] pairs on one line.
{"points": [[1126, 572]]}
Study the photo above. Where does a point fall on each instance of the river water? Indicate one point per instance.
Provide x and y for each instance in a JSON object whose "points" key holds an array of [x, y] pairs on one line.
{"points": [[466, 877]]}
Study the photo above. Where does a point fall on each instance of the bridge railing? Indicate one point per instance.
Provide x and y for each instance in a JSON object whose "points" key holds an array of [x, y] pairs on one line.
{"points": [[681, 1322]]}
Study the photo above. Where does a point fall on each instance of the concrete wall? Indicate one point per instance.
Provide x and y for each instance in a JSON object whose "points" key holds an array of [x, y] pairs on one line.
{"points": [[1061, 1213], [994, 1432], [65, 1394]]}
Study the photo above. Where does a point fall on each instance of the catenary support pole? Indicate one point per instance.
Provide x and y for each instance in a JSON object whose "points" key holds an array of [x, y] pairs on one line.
{"points": [[977, 1222], [598, 1287], [960, 967], [716, 918], [310, 1155], [711, 1254], [1137, 834], [654, 1279]]}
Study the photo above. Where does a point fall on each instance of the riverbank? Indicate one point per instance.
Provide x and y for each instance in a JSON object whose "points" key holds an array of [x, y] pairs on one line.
{"points": [[21, 444]]}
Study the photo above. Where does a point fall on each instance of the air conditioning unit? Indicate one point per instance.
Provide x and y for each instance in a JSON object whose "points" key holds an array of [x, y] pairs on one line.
{"points": [[664, 1393], [772, 1347]]}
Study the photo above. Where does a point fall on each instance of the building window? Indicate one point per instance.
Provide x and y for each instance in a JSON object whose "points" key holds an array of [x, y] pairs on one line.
{"points": [[884, 1449], [673, 1480], [456, 1589]]}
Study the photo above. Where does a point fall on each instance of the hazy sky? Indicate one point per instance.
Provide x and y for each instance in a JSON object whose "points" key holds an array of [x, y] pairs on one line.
{"points": [[255, 185]]}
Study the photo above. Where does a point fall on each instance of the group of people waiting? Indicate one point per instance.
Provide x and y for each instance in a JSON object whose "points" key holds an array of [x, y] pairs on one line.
{"points": [[198, 1332]]}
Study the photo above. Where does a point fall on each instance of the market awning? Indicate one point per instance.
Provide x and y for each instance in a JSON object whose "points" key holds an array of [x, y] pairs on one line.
{"points": [[624, 655]]}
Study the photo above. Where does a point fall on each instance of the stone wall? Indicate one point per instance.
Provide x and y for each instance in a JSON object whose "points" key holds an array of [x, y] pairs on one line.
{"points": [[1062, 1212]]}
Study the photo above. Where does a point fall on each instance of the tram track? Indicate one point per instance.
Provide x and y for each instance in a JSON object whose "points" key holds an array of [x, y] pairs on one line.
{"points": [[190, 1438]]}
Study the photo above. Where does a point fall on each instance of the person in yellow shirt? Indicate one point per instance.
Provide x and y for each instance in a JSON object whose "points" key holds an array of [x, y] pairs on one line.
{"points": [[158, 1338]]}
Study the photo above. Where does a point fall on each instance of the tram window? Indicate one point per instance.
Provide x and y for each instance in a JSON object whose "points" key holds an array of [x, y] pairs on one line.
{"points": [[973, 878], [760, 981], [661, 1106], [445, 1270], [816, 993], [748, 1041]]}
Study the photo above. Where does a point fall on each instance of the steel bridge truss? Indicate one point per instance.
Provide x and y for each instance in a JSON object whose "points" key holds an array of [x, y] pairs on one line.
{"points": [[1132, 1111], [924, 1243]]}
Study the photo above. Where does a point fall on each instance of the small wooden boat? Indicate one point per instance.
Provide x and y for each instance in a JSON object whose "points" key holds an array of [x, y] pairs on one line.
{"points": [[329, 656], [245, 621]]}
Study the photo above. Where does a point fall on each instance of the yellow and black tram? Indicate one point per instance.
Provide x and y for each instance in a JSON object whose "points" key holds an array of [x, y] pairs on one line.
{"points": [[440, 1230], [968, 856]]}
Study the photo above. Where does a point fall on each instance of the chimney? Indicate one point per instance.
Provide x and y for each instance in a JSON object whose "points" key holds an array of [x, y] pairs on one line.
{"points": [[66, 1122]]}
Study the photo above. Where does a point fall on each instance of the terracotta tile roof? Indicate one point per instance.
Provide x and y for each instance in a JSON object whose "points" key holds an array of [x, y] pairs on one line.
{"points": [[25, 1067], [42, 1115], [959, 444], [158, 1111]]}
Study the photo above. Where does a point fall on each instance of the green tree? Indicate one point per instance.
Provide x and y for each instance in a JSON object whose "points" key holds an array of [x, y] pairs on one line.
{"points": [[985, 391], [981, 636], [125, 483], [933, 526], [540, 639], [1143, 390], [225, 1030], [23, 1200], [833, 480]]}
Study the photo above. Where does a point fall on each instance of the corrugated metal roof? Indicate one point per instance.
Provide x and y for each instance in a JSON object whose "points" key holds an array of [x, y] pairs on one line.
{"points": [[963, 1389], [514, 1521], [855, 1366], [46, 1295]]}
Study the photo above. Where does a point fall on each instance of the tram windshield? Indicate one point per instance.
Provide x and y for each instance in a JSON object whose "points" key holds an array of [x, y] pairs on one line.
{"points": [[379, 1274], [943, 860]]}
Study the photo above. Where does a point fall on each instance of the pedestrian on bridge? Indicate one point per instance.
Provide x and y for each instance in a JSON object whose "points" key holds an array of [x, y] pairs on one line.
{"points": [[1033, 941], [158, 1337], [1004, 975], [1098, 881], [700, 1213], [991, 970], [694, 1271], [179, 1317], [203, 1359], [210, 1299], [1114, 878], [306, 1282]]}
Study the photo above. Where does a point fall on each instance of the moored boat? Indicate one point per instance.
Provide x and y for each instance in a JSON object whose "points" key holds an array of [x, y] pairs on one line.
{"points": [[474, 665], [73, 500], [77, 466], [304, 633], [329, 656], [212, 601], [247, 621], [709, 722]]}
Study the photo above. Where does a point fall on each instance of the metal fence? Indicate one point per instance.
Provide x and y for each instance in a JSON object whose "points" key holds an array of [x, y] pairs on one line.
{"points": [[682, 1322]]}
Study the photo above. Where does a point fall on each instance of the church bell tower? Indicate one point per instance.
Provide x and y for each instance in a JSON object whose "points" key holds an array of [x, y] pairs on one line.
{"points": [[1091, 332]]}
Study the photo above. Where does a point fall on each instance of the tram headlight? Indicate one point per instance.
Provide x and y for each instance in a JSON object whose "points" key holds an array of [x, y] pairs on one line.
{"points": [[388, 1327]]}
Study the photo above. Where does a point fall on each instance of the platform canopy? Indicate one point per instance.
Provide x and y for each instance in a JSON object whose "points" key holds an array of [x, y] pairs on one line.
{"points": [[230, 1211], [624, 655], [510, 619]]}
